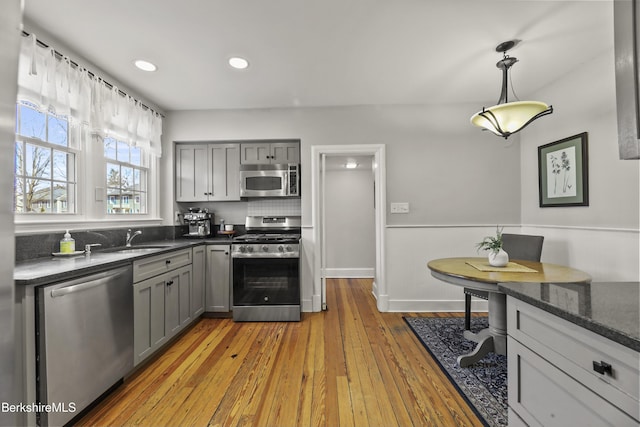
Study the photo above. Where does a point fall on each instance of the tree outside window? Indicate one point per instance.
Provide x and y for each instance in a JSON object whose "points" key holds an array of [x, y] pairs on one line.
{"points": [[126, 178], [45, 178]]}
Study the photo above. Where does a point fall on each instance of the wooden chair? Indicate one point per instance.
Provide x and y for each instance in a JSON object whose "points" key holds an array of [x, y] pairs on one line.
{"points": [[518, 246]]}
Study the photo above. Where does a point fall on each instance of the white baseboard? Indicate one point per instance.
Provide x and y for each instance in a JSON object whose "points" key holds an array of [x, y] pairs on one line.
{"points": [[427, 306], [349, 273]]}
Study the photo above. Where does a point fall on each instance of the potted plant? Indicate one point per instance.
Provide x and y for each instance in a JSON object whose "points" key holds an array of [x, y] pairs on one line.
{"points": [[497, 256]]}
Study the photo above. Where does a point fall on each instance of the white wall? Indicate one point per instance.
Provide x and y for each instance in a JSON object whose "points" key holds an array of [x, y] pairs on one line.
{"points": [[449, 172], [601, 239], [350, 222], [461, 182]]}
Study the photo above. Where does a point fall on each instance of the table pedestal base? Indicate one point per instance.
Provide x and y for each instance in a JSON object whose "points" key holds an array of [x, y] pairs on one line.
{"points": [[493, 338], [485, 345]]}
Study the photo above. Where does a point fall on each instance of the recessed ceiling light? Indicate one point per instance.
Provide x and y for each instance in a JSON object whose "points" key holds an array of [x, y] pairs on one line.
{"points": [[238, 62], [145, 65], [351, 165]]}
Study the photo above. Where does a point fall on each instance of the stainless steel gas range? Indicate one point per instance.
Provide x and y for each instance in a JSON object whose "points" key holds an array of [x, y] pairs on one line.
{"points": [[266, 270]]}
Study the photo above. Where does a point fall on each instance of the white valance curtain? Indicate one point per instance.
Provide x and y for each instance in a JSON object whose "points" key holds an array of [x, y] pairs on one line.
{"points": [[55, 85]]}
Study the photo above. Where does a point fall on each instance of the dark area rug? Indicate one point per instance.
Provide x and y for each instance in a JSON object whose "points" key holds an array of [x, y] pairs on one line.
{"points": [[484, 384]]}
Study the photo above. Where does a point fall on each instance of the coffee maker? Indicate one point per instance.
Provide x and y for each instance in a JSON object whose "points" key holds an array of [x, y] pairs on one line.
{"points": [[199, 221]]}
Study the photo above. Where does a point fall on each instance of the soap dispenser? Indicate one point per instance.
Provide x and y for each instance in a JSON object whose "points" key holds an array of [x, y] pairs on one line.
{"points": [[67, 244]]}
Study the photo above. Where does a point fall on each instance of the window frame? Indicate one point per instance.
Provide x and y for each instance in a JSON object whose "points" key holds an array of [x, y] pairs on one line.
{"points": [[142, 167], [90, 195], [71, 167]]}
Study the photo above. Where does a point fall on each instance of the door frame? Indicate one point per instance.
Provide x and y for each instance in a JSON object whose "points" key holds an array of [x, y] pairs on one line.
{"points": [[318, 154]]}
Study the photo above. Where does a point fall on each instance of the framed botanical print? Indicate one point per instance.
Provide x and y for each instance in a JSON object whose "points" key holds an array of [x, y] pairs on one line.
{"points": [[563, 178]]}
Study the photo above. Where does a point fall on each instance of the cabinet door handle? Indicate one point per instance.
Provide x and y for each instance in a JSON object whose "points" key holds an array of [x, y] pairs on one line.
{"points": [[602, 368], [168, 262], [170, 282]]}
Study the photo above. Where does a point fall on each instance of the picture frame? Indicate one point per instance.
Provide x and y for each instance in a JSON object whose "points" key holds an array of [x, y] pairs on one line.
{"points": [[563, 172]]}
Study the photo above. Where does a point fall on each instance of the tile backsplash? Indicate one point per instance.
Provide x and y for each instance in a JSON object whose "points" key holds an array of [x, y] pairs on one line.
{"points": [[236, 212], [273, 207]]}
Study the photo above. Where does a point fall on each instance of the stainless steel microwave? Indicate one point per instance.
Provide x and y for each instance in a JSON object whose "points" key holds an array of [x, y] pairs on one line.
{"points": [[278, 180]]}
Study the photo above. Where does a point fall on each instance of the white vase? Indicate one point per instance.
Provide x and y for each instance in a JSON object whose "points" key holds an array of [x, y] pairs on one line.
{"points": [[498, 259]]}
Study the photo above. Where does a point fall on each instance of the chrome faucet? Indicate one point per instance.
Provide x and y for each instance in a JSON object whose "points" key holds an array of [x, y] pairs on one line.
{"points": [[131, 236], [87, 247]]}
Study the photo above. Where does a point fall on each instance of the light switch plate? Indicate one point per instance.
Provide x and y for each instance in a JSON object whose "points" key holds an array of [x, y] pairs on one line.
{"points": [[400, 208]]}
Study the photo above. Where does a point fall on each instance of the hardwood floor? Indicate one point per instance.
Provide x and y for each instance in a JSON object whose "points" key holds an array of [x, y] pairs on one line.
{"points": [[348, 366]]}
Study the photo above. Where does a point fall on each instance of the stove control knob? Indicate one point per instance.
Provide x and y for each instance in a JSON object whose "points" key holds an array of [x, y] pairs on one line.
{"points": [[249, 248], [242, 249], [265, 248], [280, 248], [289, 248]]}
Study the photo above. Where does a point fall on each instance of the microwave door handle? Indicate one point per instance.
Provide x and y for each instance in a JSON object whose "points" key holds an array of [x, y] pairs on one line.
{"points": [[296, 183], [286, 183]]}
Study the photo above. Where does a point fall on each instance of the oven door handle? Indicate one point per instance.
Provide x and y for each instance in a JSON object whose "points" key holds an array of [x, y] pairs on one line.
{"points": [[264, 256]]}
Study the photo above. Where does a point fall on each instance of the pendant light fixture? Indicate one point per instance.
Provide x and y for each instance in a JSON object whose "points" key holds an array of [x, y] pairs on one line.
{"points": [[506, 118]]}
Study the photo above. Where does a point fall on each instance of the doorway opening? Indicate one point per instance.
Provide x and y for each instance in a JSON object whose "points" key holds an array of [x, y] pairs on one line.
{"points": [[324, 158]]}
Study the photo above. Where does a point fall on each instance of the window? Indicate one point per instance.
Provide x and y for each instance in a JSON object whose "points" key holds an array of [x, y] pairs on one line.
{"points": [[45, 165], [126, 177], [66, 173]]}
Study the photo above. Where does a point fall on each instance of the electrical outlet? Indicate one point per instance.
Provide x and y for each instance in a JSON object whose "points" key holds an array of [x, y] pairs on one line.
{"points": [[399, 208], [177, 216]]}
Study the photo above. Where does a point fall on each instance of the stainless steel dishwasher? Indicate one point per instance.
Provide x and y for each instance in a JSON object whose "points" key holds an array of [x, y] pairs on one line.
{"points": [[84, 342]]}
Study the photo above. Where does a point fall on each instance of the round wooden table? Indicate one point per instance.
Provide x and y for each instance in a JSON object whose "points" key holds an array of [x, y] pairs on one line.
{"points": [[461, 272]]}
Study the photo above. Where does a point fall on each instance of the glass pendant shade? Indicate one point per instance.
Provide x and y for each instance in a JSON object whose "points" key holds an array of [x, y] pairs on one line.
{"points": [[511, 117], [506, 118]]}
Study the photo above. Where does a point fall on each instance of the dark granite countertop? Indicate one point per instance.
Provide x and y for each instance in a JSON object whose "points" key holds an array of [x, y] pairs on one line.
{"points": [[610, 309], [45, 270]]}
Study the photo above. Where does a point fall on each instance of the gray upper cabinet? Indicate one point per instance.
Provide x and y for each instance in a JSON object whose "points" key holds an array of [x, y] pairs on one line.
{"points": [[207, 172], [257, 153], [627, 44], [224, 161], [192, 182]]}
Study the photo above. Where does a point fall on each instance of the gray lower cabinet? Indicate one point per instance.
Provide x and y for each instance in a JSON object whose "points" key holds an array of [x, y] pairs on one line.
{"points": [[553, 376], [199, 268], [218, 284], [178, 300], [149, 330], [162, 303]]}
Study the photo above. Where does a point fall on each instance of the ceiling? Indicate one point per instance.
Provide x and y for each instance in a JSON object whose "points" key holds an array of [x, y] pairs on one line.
{"points": [[306, 53]]}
